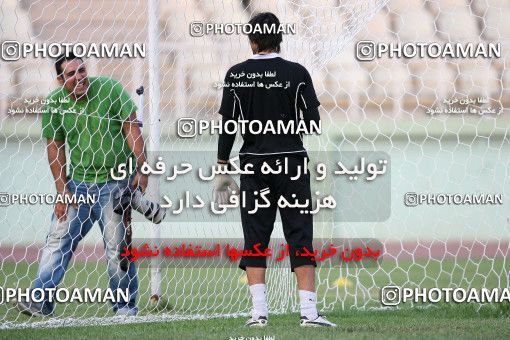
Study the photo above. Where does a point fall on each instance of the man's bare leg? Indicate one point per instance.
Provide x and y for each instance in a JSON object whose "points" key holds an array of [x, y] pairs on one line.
{"points": [[256, 275], [305, 276], [306, 284]]}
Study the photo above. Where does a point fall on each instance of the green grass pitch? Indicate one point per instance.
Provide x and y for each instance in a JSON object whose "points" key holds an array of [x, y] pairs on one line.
{"points": [[192, 290]]}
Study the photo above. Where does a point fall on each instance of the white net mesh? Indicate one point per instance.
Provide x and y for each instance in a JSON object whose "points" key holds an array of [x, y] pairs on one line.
{"points": [[379, 105]]}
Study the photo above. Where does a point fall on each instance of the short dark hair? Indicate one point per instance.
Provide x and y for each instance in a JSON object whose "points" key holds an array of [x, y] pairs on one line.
{"points": [[60, 60], [270, 41]]}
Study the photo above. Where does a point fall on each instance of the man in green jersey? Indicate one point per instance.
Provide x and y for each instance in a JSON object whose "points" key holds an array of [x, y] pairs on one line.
{"points": [[93, 118]]}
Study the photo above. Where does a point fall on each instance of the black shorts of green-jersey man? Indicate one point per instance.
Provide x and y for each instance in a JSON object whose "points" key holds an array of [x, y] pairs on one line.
{"points": [[269, 89]]}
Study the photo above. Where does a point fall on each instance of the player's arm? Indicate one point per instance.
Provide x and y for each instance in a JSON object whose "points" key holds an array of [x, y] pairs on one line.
{"points": [[229, 113], [134, 139], [54, 132], [307, 99], [224, 184], [311, 114], [57, 160], [225, 142]]}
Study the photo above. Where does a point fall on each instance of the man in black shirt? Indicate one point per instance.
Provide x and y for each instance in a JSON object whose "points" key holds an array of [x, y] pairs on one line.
{"points": [[268, 95]]}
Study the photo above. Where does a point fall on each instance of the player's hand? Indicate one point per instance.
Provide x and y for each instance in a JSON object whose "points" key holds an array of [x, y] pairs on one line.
{"points": [[224, 186], [140, 180], [60, 208]]}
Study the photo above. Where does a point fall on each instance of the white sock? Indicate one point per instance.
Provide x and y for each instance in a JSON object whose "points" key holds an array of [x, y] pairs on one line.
{"points": [[258, 297], [308, 302]]}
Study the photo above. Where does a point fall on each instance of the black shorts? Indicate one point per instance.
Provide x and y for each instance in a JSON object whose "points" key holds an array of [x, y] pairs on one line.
{"points": [[258, 226]]}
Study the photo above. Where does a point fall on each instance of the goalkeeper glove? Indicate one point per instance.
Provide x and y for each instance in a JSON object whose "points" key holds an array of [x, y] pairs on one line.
{"points": [[224, 185]]}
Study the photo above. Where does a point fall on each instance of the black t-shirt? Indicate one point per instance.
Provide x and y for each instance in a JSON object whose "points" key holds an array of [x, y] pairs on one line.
{"points": [[266, 89]]}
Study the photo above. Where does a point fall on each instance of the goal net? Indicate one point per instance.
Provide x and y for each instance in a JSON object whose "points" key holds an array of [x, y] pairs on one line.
{"points": [[440, 123]]}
